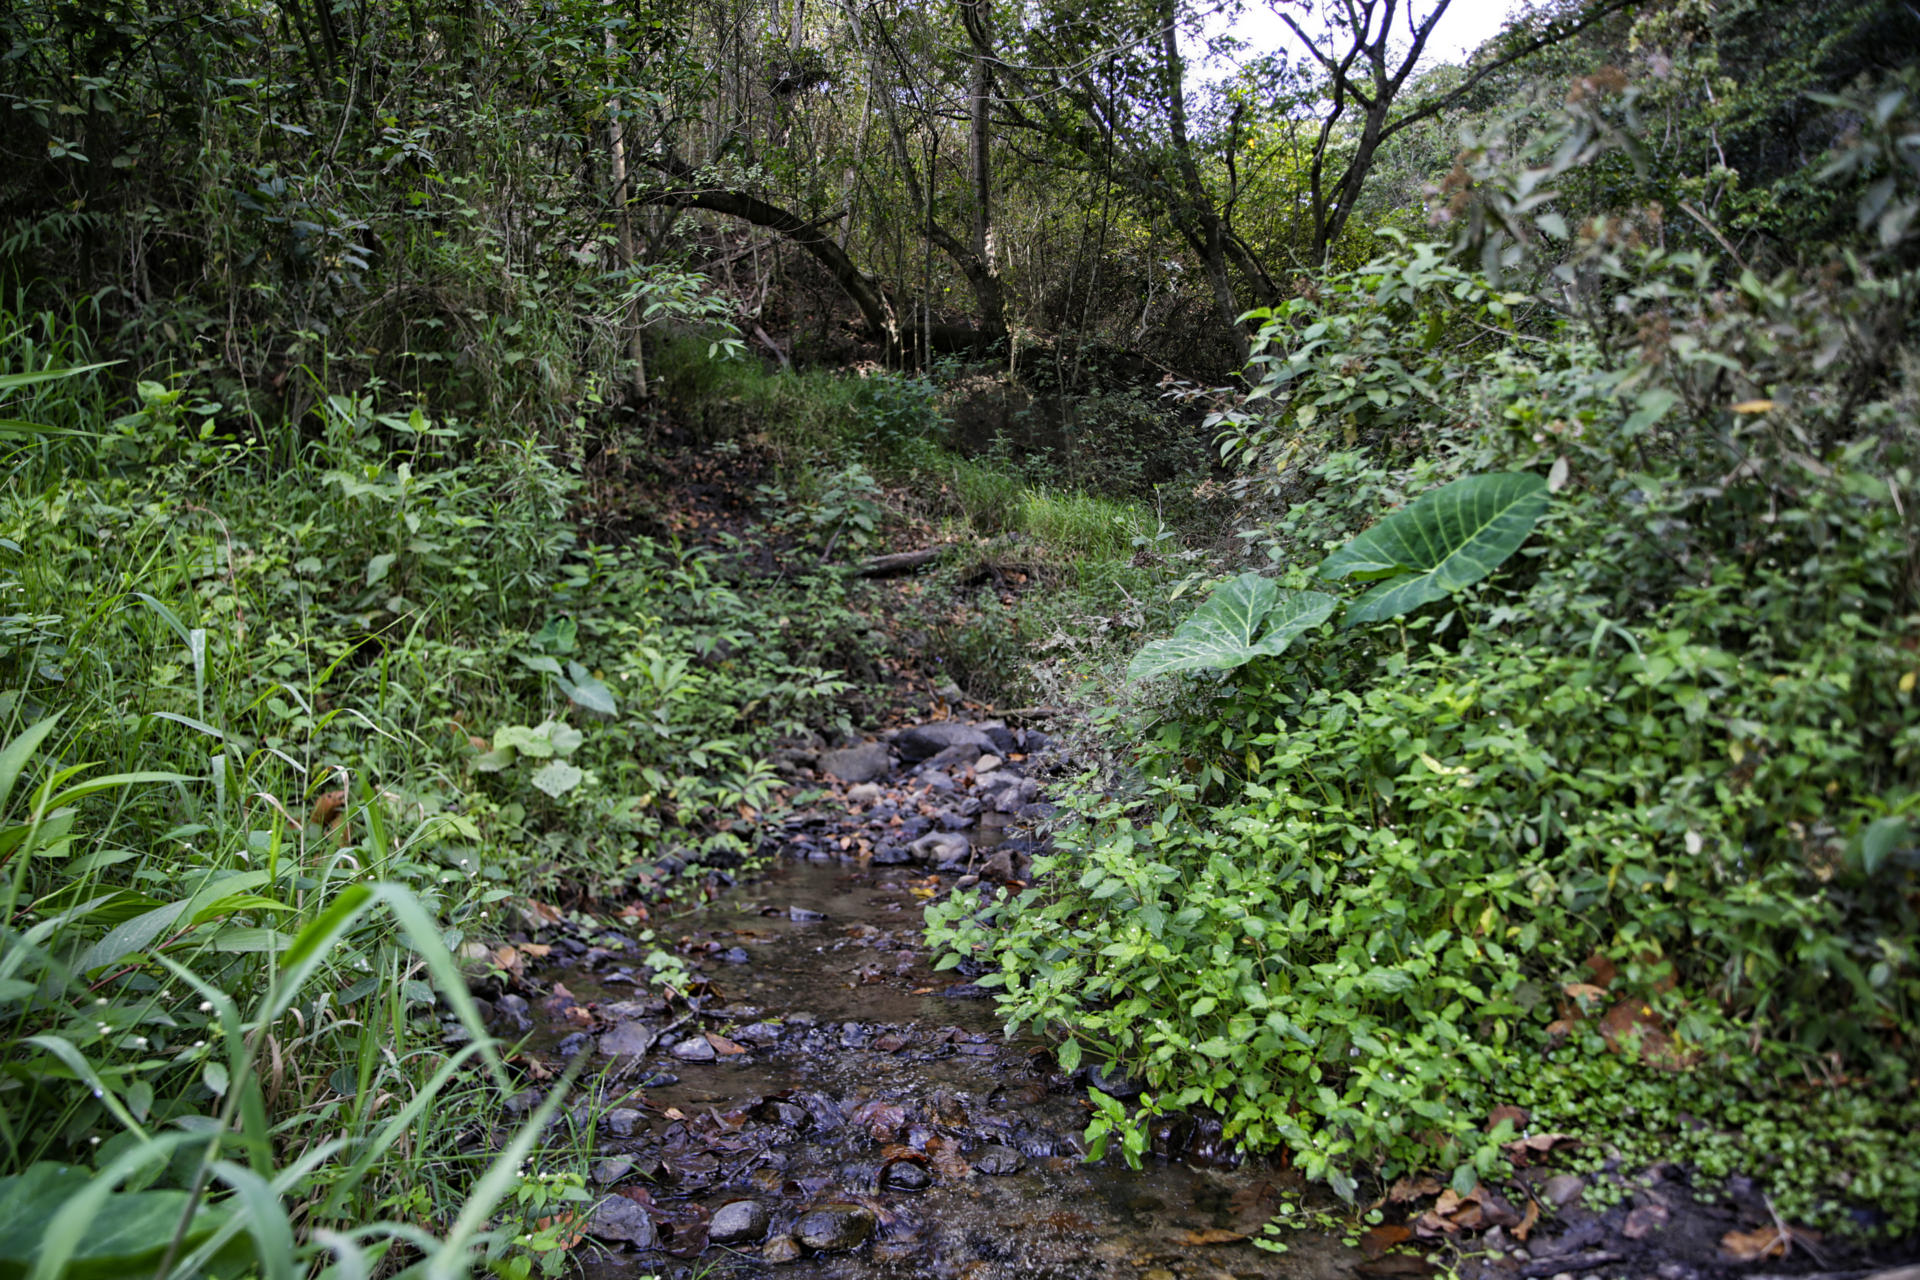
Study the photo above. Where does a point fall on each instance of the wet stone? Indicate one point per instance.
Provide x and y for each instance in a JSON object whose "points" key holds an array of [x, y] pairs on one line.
{"points": [[621, 1121], [695, 1049], [627, 1039], [940, 848], [936, 780], [801, 915], [835, 1227], [781, 1249], [853, 1036], [742, 1220], [758, 1033], [906, 1175], [997, 1161], [611, 1169], [578, 1042], [620, 1219], [735, 955]]}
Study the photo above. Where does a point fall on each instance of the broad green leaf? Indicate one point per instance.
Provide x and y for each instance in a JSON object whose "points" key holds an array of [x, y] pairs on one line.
{"points": [[587, 690], [557, 777], [1445, 539], [1220, 635]]}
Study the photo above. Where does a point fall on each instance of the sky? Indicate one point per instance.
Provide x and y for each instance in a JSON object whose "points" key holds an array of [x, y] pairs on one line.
{"points": [[1461, 29]]}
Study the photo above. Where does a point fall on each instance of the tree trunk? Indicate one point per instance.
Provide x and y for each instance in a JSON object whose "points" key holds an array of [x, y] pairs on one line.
{"points": [[623, 222]]}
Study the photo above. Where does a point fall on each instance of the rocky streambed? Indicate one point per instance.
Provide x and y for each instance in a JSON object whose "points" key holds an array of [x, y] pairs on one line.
{"points": [[813, 1099]]}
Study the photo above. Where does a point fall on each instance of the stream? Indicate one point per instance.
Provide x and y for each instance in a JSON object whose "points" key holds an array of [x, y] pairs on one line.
{"points": [[824, 1104]]}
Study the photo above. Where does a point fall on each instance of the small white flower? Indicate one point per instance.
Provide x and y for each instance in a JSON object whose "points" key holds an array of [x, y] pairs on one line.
{"points": [[206, 1006], [94, 1140]]}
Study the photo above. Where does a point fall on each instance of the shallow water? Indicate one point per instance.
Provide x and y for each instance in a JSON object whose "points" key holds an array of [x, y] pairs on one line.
{"points": [[871, 1065]]}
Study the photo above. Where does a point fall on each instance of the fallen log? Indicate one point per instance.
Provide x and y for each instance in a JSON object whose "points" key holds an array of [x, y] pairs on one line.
{"points": [[900, 562]]}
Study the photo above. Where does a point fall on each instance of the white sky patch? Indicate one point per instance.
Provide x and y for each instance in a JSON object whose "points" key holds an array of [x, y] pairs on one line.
{"points": [[1464, 27]]}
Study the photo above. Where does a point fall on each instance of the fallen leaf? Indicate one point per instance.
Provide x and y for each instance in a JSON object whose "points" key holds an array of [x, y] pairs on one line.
{"points": [[1528, 1221], [722, 1045], [1413, 1189], [1584, 990], [1506, 1111], [1377, 1240], [1752, 1246], [1209, 1235]]}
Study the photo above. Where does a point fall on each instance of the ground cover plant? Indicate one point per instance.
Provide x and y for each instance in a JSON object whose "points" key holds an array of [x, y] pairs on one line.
{"points": [[1624, 832]]}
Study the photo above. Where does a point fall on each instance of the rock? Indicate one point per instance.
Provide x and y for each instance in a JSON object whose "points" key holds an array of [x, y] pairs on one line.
{"points": [[695, 1049], [611, 1169], [935, 780], [987, 763], [618, 1218], [781, 1249], [758, 1033], [924, 740], [802, 915], [739, 1221], [853, 1036], [735, 955], [622, 1120], [510, 1012], [863, 763], [940, 847], [1564, 1189], [950, 693], [627, 1039], [905, 1175], [578, 1042], [959, 756], [1114, 1086], [997, 1161], [834, 1227], [865, 793]]}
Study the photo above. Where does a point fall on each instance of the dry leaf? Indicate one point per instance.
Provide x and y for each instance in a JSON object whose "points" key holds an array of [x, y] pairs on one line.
{"points": [[1644, 1221], [1506, 1111], [1413, 1189], [1528, 1221], [723, 1045], [1209, 1235], [1377, 1240], [1752, 1246]]}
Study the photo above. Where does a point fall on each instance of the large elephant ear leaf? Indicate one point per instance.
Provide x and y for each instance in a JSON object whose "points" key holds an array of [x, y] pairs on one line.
{"points": [[1445, 539], [1222, 633]]}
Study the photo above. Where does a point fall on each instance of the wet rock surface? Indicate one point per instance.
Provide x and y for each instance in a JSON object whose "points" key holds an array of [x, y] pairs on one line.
{"points": [[815, 1100]]}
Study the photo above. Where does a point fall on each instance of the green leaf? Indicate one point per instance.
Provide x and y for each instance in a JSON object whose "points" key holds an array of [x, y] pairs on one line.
{"points": [[1068, 1055], [557, 777], [1445, 539], [378, 566], [1880, 839], [587, 690], [1220, 634]]}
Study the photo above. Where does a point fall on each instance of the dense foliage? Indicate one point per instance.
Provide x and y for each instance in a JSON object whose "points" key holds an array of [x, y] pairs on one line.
{"points": [[1650, 793]]}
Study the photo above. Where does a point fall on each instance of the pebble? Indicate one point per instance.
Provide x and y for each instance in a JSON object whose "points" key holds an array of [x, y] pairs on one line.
{"points": [[622, 1120], [618, 1218], [906, 1175], [834, 1227], [740, 1220], [758, 1033], [997, 1161], [936, 780], [695, 1049], [987, 763], [865, 793]]}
